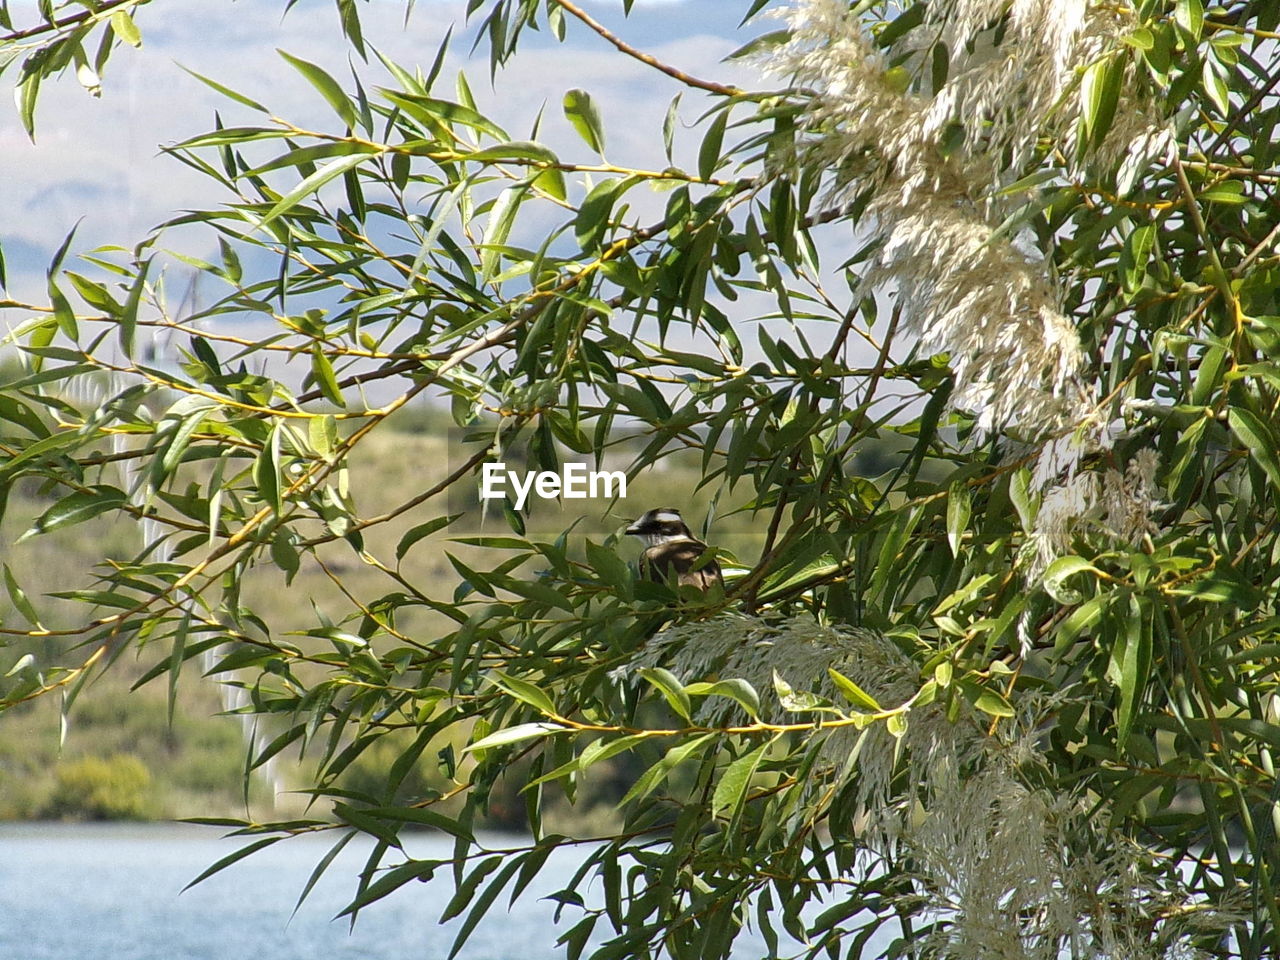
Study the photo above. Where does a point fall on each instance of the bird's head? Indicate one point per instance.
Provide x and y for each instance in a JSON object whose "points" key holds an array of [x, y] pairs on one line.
{"points": [[660, 525]]}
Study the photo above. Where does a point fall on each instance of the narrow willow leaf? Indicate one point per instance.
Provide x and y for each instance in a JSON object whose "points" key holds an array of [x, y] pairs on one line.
{"points": [[303, 156], [76, 508], [523, 731], [128, 320], [653, 777], [582, 112], [709, 152], [1259, 439], [228, 92], [591, 225], [1135, 665], [502, 216], [736, 689], [852, 692], [1215, 87], [959, 509], [326, 380], [483, 903], [390, 881], [422, 531], [176, 657], [671, 689], [1100, 94], [233, 858], [669, 126], [524, 691], [311, 184], [732, 788], [20, 600], [321, 867], [326, 86], [266, 472]]}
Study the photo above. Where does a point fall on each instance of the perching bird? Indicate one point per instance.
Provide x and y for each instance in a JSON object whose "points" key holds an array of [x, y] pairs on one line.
{"points": [[672, 550]]}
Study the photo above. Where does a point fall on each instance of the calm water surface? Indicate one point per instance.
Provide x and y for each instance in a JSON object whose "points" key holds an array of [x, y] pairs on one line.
{"points": [[101, 892]]}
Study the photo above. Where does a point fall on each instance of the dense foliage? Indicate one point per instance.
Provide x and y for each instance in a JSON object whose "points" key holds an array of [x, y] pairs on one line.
{"points": [[1013, 697]]}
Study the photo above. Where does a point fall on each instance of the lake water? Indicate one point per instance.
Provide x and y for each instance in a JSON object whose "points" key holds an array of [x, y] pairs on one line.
{"points": [[112, 892]]}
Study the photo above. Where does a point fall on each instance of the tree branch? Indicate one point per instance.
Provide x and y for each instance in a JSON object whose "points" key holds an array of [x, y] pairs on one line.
{"points": [[645, 58]]}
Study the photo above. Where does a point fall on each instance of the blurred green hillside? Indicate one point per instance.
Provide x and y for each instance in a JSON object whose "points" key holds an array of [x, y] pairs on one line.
{"points": [[121, 755]]}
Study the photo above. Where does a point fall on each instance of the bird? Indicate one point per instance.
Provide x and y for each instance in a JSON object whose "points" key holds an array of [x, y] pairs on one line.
{"points": [[671, 550]]}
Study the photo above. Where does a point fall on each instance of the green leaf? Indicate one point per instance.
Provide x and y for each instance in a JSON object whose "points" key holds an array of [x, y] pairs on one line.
{"points": [[19, 598], [516, 150], [25, 662], [523, 731], [709, 152], [125, 28], [311, 184], [1258, 439], [736, 689], [129, 315], [734, 782], [592, 222], [583, 113], [327, 87], [1059, 571], [483, 903], [1140, 39], [611, 567], [229, 93], [671, 688], [1229, 192], [1099, 95], [326, 380], [669, 125], [233, 858], [422, 817], [266, 472], [1189, 15], [959, 508], [1135, 665], [421, 531], [853, 693], [1137, 252], [993, 703], [442, 115], [524, 691], [176, 657], [1215, 87], [649, 781], [322, 434], [389, 882], [502, 216], [76, 508], [308, 155]]}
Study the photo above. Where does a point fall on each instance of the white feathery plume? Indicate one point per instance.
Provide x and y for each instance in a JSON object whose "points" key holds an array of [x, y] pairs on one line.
{"points": [[1119, 505], [1014, 78], [1008, 869]]}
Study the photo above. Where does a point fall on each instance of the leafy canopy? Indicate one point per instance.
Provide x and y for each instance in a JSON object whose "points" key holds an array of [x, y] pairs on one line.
{"points": [[1014, 691]]}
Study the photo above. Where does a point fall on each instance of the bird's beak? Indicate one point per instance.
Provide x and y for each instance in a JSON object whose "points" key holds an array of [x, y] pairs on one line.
{"points": [[633, 530]]}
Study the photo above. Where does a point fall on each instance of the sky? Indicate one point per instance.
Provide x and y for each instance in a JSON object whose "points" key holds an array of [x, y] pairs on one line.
{"points": [[96, 162]]}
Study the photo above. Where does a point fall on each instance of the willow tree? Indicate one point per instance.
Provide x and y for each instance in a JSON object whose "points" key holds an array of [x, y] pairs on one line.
{"points": [[1014, 697]]}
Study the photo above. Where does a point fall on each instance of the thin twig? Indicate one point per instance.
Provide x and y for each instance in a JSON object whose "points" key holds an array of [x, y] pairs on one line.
{"points": [[71, 21], [645, 58]]}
